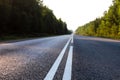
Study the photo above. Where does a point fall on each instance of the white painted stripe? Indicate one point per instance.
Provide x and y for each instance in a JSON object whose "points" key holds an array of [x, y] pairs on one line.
{"points": [[55, 66], [72, 39], [68, 68]]}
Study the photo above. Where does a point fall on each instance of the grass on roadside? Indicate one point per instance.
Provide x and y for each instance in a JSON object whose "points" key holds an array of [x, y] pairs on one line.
{"points": [[22, 37]]}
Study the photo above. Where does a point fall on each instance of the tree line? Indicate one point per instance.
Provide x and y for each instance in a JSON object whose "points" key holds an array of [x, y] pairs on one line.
{"points": [[29, 17], [106, 26]]}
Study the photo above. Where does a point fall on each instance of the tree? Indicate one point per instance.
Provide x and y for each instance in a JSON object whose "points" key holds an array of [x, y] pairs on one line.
{"points": [[106, 26], [28, 17]]}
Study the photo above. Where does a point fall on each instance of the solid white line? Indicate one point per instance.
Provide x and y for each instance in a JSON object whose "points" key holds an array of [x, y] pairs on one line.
{"points": [[72, 39], [55, 66], [68, 68]]}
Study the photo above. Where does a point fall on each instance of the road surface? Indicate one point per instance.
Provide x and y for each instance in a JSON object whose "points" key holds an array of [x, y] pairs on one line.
{"points": [[96, 59], [65, 57]]}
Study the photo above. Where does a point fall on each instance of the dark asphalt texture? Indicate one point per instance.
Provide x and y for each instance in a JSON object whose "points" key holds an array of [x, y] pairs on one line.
{"points": [[30, 59], [93, 58], [96, 59]]}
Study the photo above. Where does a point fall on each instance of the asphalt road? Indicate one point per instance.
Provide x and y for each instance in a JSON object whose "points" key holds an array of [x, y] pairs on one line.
{"points": [[31, 59], [96, 59], [61, 58]]}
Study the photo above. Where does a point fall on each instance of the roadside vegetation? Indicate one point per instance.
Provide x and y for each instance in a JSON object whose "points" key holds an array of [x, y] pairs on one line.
{"points": [[107, 26], [28, 18]]}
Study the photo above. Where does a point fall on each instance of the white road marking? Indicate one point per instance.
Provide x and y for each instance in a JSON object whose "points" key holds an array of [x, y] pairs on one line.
{"points": [[72, 39], [68, 68], [55, 66]]}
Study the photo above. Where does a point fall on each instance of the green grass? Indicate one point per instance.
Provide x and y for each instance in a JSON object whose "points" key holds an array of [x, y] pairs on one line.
{"points": [[22, 37]]}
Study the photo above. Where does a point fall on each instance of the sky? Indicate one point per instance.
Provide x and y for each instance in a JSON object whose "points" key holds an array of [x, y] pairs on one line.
{"points": [[78, 12]]}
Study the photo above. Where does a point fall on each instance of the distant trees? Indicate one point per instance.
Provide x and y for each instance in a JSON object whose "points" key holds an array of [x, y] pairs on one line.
{"points": [[106, 26], [28, 17]]}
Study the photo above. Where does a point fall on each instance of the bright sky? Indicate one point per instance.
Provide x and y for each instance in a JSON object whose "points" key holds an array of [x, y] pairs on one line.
{"points": [[78, 12]]}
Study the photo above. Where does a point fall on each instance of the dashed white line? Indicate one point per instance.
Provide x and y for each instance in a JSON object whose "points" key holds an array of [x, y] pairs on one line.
{"points": [[55, 66], [68, 68]]}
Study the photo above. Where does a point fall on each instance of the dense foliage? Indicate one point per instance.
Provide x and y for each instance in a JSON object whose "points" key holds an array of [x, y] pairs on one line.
{"points": [[106, 26], [28, 17]]}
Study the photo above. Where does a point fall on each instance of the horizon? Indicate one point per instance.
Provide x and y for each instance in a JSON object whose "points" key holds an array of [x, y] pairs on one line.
{"points": [[80, 13]]}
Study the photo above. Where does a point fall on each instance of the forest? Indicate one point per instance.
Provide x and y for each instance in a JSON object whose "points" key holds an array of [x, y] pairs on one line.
{"points": [[107, 26], [29, 18]]}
